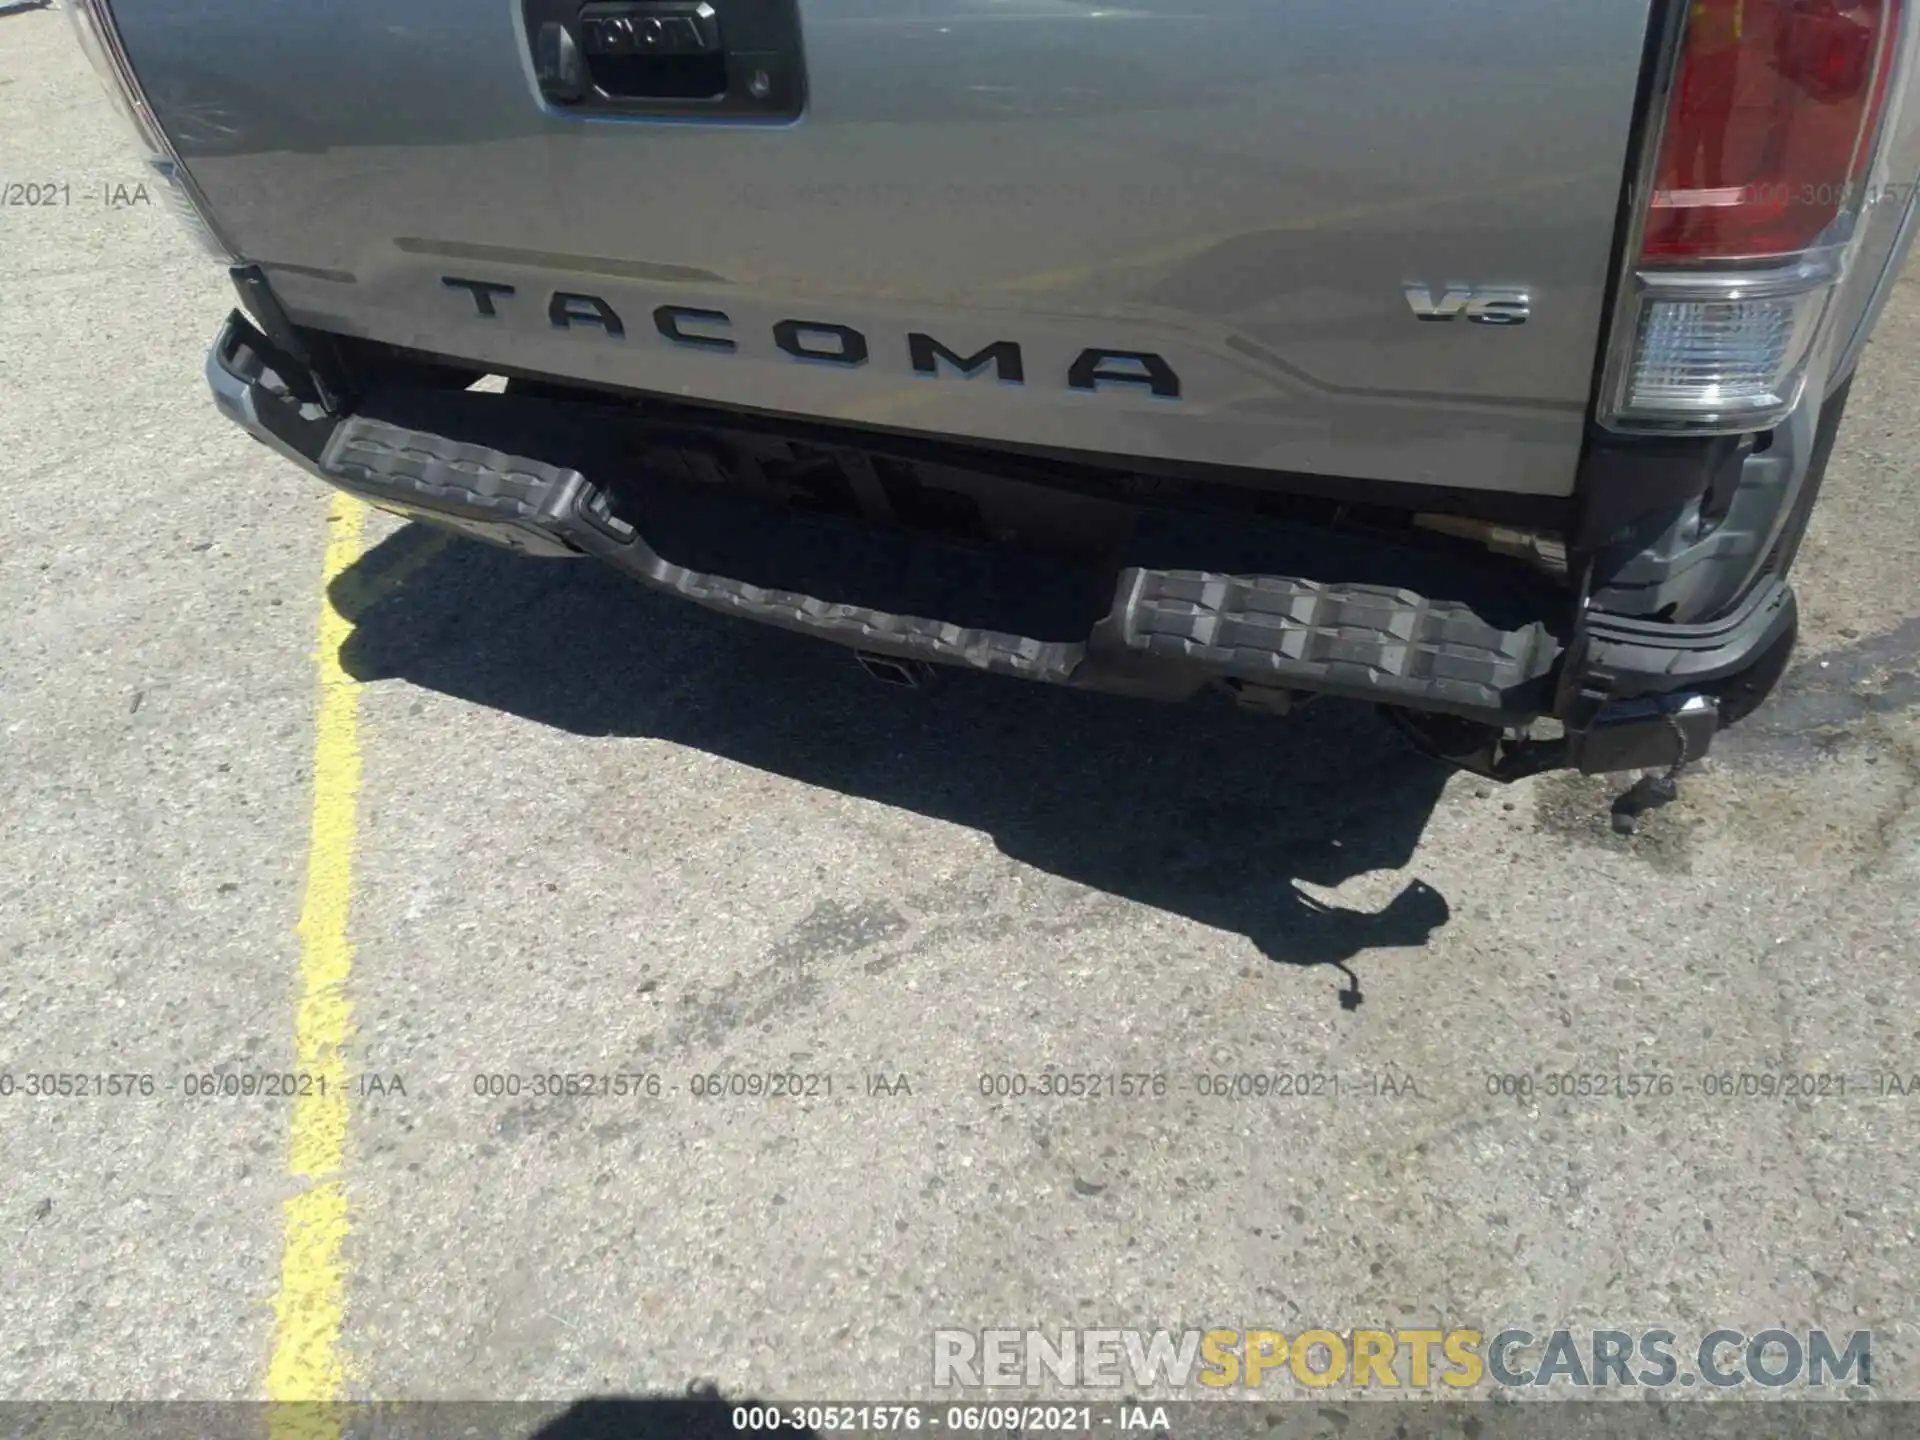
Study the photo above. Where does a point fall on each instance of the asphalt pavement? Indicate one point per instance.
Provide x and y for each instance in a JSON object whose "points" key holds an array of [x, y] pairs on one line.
{"points": [[602, 833]]}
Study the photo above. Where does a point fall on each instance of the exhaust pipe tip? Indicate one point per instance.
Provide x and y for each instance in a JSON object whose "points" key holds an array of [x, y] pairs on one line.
{"points": [[891, 670]]}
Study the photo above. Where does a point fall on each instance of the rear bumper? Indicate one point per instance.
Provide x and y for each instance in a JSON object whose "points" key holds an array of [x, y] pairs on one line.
{"points": [[1278, 608]]}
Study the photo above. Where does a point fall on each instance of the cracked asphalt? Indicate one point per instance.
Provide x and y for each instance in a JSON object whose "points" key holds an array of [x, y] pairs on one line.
{"points": [[603, 832]]}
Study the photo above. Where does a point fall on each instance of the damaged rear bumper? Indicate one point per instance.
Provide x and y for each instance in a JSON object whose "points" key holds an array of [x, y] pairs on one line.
{"points": [[1279, 609]]}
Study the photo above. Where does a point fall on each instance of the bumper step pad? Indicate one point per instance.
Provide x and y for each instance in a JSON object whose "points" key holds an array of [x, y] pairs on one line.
{"points": [[506, 499], [1363, 640]]}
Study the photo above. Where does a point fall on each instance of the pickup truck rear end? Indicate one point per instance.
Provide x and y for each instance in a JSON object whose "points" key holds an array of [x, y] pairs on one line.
{"points": [[1478, 359]]}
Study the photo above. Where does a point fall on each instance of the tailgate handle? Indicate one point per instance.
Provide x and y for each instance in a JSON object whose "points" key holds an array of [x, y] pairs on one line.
{"points": [[654, 50], [672, 58]]}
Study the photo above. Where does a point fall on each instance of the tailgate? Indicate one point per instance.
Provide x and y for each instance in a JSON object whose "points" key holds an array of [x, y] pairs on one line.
{"points": [[1181, 229]]}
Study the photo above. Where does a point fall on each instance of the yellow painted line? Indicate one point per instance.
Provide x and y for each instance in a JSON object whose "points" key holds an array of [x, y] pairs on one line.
{"points": [[418, 548], [306, 1365]]}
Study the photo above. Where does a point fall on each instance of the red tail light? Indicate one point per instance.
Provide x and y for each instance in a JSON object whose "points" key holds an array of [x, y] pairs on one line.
{"points": [[1769, 126]]}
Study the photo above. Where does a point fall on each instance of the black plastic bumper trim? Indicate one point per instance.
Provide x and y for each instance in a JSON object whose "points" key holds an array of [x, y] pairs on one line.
{"points": [[1629, 657]]}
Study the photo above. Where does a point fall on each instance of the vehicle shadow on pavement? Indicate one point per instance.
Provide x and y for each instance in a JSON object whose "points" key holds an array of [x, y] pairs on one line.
{"points": [[1201, 810]]}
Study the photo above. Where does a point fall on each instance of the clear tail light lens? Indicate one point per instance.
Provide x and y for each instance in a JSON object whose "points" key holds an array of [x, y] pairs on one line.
{"points": [[1705, 351], [99, 37], [1760, 170]]}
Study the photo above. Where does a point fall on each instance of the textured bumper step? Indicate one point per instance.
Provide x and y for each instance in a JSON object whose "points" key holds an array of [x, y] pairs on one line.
{"points": [[1364, 640], [510, 500]]}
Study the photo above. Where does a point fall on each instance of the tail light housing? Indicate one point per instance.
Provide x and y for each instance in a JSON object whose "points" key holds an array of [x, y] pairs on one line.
{"points": [[1759, 166], [99, 37]]}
